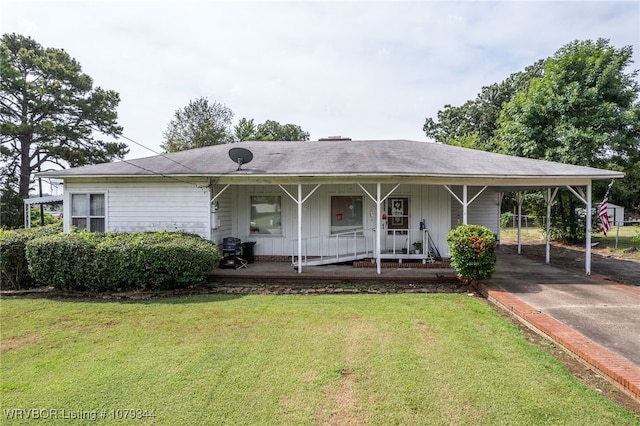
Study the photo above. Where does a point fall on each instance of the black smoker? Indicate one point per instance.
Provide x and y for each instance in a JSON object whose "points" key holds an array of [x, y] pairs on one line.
{"points": [[231, 248]]}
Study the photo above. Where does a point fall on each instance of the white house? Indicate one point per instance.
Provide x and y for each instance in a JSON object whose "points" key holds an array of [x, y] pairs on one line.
{"points": [[323, 201]]}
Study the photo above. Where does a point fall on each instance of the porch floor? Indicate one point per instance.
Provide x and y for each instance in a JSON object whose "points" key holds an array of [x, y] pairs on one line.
{"points": [[284, 272]]}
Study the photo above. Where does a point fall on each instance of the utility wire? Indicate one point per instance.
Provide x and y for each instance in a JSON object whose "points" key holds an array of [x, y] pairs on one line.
{"points": [[153, 172]]}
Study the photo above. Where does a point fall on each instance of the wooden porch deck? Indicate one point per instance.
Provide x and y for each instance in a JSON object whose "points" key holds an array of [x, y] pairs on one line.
{"points": [[336, 274]]}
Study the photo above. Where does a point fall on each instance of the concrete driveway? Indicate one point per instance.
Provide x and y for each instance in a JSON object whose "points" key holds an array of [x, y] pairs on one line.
{"points": [[603, 311]]}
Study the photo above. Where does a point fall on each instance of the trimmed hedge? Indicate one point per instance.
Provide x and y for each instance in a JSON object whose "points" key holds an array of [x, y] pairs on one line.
{"points": [[124, 261], [14, 271], [473, 252]]}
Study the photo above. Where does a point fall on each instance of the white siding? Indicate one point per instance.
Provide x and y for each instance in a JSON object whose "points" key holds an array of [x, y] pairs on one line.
{"points": [[426, 202], [149, 205], [485, 210], [224, 214]]}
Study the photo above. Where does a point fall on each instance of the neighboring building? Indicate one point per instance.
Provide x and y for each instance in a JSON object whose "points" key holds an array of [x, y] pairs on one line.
{"points": [[616, 214], [334, 195]]}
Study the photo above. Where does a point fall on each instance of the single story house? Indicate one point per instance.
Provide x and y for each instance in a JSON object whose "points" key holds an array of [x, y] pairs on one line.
{"points": [[316, 201]]}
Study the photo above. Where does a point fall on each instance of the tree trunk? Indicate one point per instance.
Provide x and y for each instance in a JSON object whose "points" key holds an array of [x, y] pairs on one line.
{"points": [[25, 167]]}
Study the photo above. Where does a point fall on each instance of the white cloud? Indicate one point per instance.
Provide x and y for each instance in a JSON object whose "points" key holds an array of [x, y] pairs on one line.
{"points": [[366, 70]]}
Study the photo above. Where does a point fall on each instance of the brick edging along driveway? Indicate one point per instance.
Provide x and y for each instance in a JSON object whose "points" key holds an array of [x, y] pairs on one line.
{"points": [[618, 370]]}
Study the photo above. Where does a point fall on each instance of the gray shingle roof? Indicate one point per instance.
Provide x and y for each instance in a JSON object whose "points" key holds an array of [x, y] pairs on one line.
{"points": [[343, 158]]}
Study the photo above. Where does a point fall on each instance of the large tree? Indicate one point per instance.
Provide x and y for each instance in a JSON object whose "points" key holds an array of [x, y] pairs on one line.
{"points": [[270, 130], [50, 114], [474, 124], [201, 123], [583, 110]]}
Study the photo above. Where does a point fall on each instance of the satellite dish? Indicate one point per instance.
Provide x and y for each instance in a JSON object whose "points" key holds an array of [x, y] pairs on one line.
{"points": [[240, 156]]}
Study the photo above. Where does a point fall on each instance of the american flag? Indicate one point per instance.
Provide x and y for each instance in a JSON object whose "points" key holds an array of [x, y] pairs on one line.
{"points": [[605, 225]]}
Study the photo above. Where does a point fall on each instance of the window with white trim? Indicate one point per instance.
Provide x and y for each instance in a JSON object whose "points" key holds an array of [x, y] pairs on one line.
{"points": [[88, 211], [346, 213], [266, 214]]}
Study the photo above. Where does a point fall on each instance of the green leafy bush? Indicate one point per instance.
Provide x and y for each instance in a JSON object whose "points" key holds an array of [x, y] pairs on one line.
{"points": [[505, 219], [126, 261], [14, 271], [64, 261], [473, 251]]}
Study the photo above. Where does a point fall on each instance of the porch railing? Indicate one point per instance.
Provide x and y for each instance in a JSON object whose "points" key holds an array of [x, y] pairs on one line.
{"points": [[334, 248], [406, 244], [357, 244]]}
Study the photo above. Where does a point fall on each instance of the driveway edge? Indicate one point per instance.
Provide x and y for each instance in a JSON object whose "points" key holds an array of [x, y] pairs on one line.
{"points": [[622, 373]]}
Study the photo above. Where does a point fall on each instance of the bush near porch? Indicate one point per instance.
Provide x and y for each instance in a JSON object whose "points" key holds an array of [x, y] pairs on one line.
{"points": [[94, 262], [473, 252]]}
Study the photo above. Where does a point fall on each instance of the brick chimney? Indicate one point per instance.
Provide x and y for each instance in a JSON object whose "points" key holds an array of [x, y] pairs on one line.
{"points": [[333, 139]]}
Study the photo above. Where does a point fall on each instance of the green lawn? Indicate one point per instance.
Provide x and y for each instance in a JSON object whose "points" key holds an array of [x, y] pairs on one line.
{"points": [[627, 236], [360, 359]]}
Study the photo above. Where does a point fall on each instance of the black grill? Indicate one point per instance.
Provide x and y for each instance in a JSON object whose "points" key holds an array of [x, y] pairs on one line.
{"points": [[231, 244], [231, 250]]}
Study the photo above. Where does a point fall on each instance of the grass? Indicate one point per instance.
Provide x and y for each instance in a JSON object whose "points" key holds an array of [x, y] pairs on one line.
{"points": [[627, 236], [365, 359]]}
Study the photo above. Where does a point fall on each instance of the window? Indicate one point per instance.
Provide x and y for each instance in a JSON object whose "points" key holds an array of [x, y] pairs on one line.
{"points": [[346, 213], [266, 214], [88, 211]]}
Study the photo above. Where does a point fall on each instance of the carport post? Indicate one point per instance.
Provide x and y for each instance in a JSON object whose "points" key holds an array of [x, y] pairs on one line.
{"points": [[520, 199], [548, 199], [587, 262], [586, 199]]}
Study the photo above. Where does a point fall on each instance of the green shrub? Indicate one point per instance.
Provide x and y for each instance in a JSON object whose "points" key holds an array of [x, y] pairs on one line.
{"points": [[473, 251], [14, 271], [506, 219], [64, 261], [128, 261]]}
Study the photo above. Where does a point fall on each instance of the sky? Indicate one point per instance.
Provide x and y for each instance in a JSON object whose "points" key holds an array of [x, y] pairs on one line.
{"points": [[363, 70]]}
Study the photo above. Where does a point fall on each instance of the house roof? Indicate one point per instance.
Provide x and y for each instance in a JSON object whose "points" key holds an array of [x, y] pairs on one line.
{"points": [[343, 159]]}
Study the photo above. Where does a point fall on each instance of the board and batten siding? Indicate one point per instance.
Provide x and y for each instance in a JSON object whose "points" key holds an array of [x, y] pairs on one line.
{"points": [[156, 205], [431, 203], [485, 210]]}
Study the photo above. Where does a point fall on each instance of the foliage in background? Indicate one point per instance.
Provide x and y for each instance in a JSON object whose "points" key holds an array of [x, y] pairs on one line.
{"points": [[506, 219], [473, 251], [201, 123], [474, 124], [50, 113], [584, 110], [14, 271], [270, 130], [48, 218], [11, 208], [94, 262], [579, 106]]}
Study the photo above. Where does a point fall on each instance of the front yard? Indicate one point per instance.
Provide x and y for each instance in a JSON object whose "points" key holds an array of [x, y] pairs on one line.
{"points": [[360, 359]]}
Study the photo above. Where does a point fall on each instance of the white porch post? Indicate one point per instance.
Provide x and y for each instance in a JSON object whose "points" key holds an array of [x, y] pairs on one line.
{"points": [[378, 200], [378, 226], [299, 201], [549, 200], [587, 262], [299, 228], [464, 204]]}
